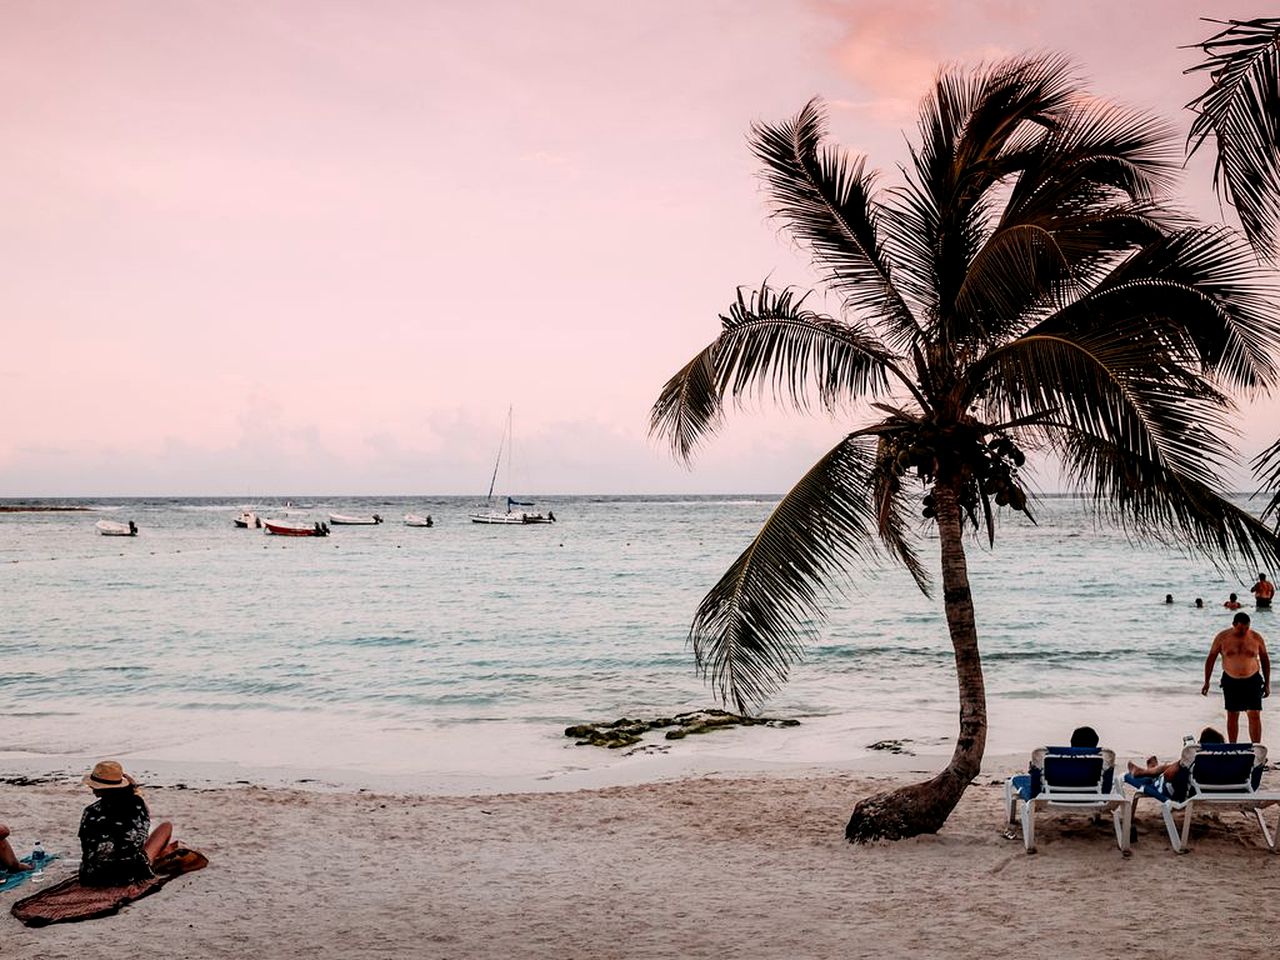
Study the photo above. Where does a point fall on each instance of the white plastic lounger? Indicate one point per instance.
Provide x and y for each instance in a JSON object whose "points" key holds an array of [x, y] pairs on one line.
{"points": [[1069, 780], [1212, 776]]}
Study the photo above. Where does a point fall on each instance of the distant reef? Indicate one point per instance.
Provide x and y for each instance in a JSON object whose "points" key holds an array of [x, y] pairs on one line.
{"points": [[624, 731], [40, 508]]}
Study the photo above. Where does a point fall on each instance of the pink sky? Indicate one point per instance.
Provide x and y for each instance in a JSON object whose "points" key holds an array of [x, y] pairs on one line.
{"points": [[263, 247]]}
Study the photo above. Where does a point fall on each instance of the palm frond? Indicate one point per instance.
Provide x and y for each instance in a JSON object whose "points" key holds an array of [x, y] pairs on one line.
{"points": [[890, 501], [1266, 467], [752, 626], [828, 201], [1241, 110], [1122, 384], [1198, 287], [967, 123], [1152, 501], [768, 340]]}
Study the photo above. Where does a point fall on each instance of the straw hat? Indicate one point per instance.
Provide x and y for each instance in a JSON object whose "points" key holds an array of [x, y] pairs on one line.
{"points": [[108, 775]]}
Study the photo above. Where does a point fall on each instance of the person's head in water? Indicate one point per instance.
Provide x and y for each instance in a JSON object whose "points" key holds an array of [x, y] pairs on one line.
{"points": [[1084, 737], [1262, 576], [1199, 602], [1210, 735], [1168, 598], [1233, 598]]}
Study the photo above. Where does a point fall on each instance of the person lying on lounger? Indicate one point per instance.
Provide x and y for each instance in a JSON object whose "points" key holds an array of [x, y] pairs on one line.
{"points": [[1155, 768], [8, 859], [117, 844]]}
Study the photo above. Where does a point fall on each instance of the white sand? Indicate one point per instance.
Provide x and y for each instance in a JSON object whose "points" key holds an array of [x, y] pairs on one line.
{"points": [[750, 868]]}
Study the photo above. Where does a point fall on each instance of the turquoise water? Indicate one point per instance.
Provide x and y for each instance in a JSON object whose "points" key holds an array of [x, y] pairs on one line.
{"points": [[194, 621]]}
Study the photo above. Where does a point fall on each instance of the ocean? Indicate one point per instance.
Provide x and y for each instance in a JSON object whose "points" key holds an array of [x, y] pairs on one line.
{"points": [[452, 657]]}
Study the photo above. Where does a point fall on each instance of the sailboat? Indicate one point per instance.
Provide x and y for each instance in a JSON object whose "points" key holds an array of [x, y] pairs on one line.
{"points": [[512, 516]]}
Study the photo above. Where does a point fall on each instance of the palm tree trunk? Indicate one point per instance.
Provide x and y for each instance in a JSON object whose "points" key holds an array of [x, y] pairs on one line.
{"points": [[924, 807]]}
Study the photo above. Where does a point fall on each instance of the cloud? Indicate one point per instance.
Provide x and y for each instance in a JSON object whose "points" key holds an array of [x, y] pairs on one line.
{"points": [[892, 50]]}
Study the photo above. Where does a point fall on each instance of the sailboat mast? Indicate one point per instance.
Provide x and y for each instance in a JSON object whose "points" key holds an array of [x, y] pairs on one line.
{"points": [[506, 440], [511, 452], [498, 460]]}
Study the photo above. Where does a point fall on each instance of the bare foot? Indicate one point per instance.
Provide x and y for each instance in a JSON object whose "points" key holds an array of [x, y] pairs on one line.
{"points": [[1153, 762], [1134, 769]]}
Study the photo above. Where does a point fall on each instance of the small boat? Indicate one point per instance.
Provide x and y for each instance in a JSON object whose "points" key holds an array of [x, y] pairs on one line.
{"points": [[413, 520], [341, 519], [512, 517], [317, 529], [109, 528], [248, 520]]}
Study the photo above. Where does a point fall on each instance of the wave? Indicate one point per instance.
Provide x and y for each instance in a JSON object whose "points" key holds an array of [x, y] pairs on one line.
{"points": [[1051, 654]]}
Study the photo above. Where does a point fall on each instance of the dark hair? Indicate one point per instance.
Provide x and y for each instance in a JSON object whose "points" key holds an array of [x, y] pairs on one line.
{"points": [[1241, 617], [1168, 598], [1199, 602], [1210, 735], [1084, 737], [1233, 596]]}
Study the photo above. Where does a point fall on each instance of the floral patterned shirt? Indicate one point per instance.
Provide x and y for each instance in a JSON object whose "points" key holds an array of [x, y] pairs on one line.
{"points": [[113, 831]]}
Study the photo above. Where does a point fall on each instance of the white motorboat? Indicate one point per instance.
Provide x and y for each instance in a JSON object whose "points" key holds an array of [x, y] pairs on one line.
{"points": [[109, 528], [341, 519], [248, 520], [414, 520]]}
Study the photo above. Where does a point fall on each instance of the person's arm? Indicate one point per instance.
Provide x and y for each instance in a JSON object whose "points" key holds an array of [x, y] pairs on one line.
{"points": [[1209, 663], [1266, 667]]}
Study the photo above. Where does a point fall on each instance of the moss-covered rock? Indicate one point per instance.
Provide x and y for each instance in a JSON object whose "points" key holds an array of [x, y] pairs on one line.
{"points": [[625, 731]]}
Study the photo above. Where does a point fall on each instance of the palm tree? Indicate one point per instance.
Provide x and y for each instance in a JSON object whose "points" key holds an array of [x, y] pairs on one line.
{"points": [[1241, 111], [1022, 289]]}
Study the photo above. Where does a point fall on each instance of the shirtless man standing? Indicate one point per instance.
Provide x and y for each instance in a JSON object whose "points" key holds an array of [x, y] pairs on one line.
{"points": [[1262, 592], [1246, 675]]}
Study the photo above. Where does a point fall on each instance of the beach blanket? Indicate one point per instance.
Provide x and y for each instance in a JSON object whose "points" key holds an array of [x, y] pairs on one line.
{"points": [[10, 880], [69, 901]]}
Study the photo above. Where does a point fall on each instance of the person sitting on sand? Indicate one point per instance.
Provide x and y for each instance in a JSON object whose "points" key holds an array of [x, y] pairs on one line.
{"points": [[1155, 768], [8, 859], [1232, 602], [117, 843]]}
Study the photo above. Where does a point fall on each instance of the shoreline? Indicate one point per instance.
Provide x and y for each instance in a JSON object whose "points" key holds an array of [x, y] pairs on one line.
{"points": [[344, 752], [703, 867]]}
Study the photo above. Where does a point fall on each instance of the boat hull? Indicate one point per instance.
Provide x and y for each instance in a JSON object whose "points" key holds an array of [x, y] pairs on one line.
{"points": [[342, 520], [511, 519], [109, 528], [286, 530], [413, 520]]}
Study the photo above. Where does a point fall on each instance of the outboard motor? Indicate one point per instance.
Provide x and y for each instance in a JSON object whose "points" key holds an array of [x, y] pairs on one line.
{"points": [[133, 529]]}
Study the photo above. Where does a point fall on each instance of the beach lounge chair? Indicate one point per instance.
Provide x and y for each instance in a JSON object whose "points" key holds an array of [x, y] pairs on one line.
{"points": [[1211, 776], [1068, 780]]}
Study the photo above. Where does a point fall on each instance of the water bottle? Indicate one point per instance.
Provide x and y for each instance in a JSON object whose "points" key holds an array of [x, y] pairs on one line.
{"points": [[37, 862]]}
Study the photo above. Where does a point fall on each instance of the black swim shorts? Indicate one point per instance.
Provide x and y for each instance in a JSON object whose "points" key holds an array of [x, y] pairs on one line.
{"points": [[1242, 693], [1261, 603]]}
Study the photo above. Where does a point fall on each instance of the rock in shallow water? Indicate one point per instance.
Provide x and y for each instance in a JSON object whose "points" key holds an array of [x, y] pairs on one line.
{"points": [[625, 731]]}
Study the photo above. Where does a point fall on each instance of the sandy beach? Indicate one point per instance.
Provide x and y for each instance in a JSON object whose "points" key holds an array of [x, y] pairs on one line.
{"points": [[703, 867]]}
